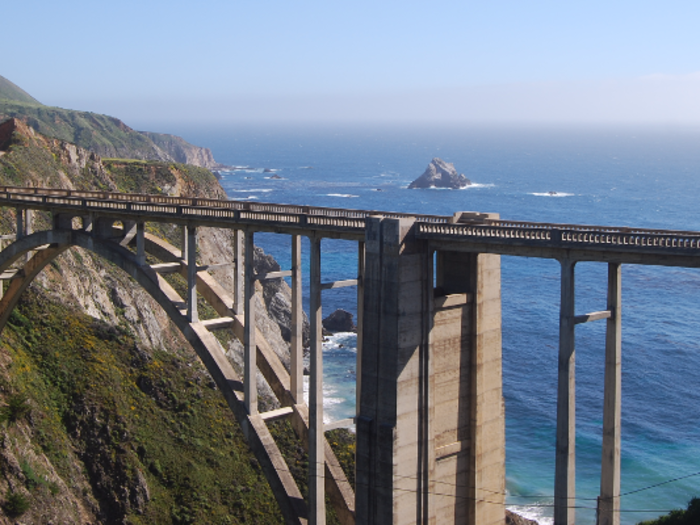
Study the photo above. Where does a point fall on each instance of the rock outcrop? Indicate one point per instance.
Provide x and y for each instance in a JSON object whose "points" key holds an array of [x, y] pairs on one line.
{"points": [[339, 321], [515, 519], [179, 150], [440, 174]]}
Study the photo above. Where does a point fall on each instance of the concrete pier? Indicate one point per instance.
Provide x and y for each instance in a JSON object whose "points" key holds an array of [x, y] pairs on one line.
{"points": [[609, 501], [430, 430], [565, 468]]}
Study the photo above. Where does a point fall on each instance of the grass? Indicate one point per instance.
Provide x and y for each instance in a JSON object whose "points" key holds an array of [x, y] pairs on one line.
{"points": [[129, 414]]}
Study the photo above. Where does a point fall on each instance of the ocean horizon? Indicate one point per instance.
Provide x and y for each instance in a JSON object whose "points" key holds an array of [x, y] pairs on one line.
{"points": [[617, 175]]}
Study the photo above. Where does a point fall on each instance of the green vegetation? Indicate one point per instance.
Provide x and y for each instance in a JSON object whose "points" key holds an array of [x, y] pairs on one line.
{"points": [[690, 516], [147, 176], [16, 503], [17, 408], [150, 427], [10, 91], [106, 136]]}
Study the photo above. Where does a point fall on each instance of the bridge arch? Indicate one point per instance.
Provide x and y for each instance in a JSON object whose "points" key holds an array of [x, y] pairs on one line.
{"points": [[49, 244]]}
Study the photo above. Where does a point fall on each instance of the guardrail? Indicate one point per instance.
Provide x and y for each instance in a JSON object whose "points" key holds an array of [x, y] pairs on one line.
{"points": [[114, 200], [563, 235], [441, 227]]}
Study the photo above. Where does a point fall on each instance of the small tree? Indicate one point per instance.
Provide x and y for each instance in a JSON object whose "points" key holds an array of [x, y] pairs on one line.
{"points": [[690, 516], [16, 408]]}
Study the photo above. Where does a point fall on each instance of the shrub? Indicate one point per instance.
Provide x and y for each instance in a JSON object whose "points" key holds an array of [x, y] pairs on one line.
{"points": [[690, 516], [16, 503], [16, 408]]}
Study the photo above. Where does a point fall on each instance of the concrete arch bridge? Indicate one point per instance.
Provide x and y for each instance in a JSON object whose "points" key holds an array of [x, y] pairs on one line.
{"points": [[430, 420]]}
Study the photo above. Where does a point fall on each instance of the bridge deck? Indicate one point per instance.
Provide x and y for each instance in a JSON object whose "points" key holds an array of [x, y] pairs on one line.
{"points": [[518, 238]]}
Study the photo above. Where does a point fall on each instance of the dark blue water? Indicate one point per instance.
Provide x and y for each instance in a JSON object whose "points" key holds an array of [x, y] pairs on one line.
{"points": [[618, 176]]}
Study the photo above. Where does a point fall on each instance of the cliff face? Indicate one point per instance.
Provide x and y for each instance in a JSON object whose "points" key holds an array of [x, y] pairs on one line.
{"points": [[108, 416], [182, 151], [106, 136]]}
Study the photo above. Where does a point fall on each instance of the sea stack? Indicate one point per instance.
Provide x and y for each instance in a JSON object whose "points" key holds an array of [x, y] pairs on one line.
{"points": [[440, 174]]}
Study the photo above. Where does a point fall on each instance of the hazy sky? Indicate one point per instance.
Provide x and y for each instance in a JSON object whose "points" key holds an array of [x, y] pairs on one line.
{"points": [[240, 60]]}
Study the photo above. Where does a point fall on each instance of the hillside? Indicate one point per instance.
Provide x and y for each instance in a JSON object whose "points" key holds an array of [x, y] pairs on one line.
{"points": [[107, 136], [10, 91], [106, 415]]}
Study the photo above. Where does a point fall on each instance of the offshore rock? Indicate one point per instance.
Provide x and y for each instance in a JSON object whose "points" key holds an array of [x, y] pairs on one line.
{"points": [[440, 174], [339, 321]]}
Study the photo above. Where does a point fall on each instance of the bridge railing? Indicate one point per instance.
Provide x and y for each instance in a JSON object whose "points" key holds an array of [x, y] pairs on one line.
{"points": [[428, 226], [115, 198], [562, 235]]}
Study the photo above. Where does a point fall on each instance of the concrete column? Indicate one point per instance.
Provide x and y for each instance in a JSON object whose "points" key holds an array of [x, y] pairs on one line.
{"points": [[250, 387], [468, 422], [20, 222], [28, 222], [141, 243], [297, 339], [192, 314], [394, 445], [487, 409], [317, 458], [183, 243], [360, 318], [565, 470], [609, 502], [238, 272]]}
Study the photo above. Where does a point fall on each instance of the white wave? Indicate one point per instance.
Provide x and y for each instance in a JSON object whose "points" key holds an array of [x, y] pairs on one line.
{"points": [[531, 513], [341, 340], [478, 185], [253, 190], [343, 195], [471, 186], [276, 178], [552, 194]]}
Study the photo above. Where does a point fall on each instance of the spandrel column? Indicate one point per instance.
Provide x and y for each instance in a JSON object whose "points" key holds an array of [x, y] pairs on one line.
{"points": [[609, 502], [565, 471], [249, 357], [317, 511], [297, 346]]}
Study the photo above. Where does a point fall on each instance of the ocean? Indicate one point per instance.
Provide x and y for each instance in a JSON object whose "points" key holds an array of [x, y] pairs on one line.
{"points": [[622, 176]]}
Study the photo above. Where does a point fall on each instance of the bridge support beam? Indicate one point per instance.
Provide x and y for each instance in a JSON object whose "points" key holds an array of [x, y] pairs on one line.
{"points": [[25, 222], [140, 243], [360, 323], [296, 366], [191, 258], [609, 502], [430, 432], [238, 272], [250, 372], [565, 468], [317, 457]]}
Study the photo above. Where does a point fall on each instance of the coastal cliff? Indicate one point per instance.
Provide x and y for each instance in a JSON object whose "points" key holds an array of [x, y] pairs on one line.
{"points": [[103, 135], [108, 416]]}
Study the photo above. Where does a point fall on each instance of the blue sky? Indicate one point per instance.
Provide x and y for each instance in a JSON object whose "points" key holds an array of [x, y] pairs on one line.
{"points": [[219, 61]]}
